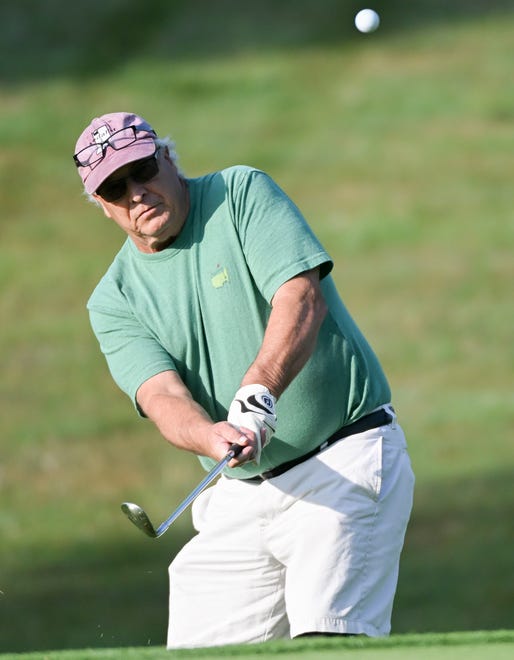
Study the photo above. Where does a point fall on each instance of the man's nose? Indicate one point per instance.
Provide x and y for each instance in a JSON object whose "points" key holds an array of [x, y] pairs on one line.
{"points": [[136, 190]]}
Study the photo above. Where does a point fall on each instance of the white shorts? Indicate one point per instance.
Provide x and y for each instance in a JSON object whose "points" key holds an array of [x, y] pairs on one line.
{"points": [[315, 549]]}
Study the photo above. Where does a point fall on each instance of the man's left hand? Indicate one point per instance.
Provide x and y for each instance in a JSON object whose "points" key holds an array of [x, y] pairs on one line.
{"points": [[253, 408]]}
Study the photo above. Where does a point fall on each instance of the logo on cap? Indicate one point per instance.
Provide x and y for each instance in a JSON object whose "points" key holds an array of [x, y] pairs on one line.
{"points": [[100, 136]]}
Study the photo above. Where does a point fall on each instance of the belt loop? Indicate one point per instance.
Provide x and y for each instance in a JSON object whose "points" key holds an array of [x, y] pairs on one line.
{"points": [[389, 408]]}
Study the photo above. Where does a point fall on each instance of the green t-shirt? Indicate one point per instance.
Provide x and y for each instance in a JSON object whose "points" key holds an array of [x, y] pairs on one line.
{"points": [[200, 307]]}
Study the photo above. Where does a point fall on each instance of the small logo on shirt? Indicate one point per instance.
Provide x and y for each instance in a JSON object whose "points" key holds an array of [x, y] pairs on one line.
{"points": [[220, 277]]}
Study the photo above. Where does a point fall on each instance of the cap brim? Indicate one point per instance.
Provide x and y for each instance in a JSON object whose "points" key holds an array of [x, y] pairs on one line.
{"points": [[113, 160]]}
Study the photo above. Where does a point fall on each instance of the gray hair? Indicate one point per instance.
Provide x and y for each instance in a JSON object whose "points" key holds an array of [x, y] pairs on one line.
{"points": [[161, 143], [169, 144]]}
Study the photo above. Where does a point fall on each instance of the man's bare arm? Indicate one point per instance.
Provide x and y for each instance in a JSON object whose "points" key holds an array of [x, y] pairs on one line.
{"points": [[184, 423], [298, 310]]}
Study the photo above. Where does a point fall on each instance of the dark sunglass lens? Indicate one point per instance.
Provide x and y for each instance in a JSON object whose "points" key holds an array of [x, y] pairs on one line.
{"points": [[145, 170], [111, 191], [141, 172]]}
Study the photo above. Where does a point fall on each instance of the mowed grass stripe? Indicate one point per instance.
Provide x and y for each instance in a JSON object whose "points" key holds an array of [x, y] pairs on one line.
{"points": [[470, 645]]}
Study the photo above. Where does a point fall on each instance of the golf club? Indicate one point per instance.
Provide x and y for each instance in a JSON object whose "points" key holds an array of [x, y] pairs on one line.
{"points": [[139, 518]]}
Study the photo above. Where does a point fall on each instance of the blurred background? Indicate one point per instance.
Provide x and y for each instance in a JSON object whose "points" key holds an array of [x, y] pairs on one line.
{"points": [[396, 145]]}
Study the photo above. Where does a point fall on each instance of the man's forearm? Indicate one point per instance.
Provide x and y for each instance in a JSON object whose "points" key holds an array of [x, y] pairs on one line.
{"points": [[185, 424], [290, 338], [180, 420]]}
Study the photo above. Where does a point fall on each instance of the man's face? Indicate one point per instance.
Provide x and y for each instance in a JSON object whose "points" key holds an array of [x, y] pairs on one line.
{"points": [[151, 213]]}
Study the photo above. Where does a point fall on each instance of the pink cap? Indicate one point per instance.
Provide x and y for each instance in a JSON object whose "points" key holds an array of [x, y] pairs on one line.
{"points": [[110, 142]]}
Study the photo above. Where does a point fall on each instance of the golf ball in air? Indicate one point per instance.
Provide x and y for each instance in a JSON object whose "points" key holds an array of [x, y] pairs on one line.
{"points": [[367, 20]]}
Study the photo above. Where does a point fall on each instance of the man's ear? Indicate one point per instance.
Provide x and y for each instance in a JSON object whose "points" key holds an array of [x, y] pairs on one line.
{"points": [[167, 157], [101, 202]]}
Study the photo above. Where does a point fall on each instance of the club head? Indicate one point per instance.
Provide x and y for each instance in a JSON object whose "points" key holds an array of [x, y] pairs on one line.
{"points": [[137, 516]]}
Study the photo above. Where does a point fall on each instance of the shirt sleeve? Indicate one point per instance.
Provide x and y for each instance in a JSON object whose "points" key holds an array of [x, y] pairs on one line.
{"points": [[277, 241], [133, 355]]}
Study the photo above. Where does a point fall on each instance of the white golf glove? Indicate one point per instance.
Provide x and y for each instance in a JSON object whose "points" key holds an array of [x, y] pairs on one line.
{"points": [[254, 408]]}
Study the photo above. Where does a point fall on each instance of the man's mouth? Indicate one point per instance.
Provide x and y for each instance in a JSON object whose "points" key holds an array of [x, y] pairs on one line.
{"points": [[146, 214]]}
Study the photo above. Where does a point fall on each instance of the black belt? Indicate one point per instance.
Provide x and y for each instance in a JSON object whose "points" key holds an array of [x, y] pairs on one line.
{"points": [[372, 421]]}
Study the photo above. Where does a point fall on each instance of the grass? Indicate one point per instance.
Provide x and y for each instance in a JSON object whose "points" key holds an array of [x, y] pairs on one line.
{"points": [[398, 149], [469, 646]]}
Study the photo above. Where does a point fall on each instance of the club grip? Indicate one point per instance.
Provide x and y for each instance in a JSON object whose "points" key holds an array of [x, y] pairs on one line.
{"points": [[236, 449]]}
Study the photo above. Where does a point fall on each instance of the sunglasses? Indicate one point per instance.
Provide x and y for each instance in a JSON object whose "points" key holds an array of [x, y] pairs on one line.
{"points": [[141, 172]]}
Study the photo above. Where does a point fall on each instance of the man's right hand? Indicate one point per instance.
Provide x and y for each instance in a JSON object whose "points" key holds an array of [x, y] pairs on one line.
{"points": [[185, 424], [223, 435]]}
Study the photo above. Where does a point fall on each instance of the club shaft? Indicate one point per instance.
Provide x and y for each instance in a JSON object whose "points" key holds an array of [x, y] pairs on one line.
{"points": [[201, 486]]}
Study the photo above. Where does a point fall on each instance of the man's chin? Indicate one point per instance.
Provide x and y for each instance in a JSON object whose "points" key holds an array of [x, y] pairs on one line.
{"points": [[159, 240]]}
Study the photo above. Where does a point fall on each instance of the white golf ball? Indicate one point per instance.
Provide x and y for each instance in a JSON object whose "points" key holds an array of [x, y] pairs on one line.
{"points": [[367, 20]]}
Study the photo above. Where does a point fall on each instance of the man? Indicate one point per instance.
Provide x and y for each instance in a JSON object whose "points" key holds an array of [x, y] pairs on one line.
{"points": [[220, 320]]}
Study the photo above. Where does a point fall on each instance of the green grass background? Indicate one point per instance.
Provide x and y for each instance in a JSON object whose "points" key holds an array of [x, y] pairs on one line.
{"points": [[428, 646], [398, 148]]}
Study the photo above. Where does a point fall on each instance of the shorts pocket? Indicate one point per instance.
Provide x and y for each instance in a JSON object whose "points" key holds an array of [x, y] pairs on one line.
{"points": [[360, 462], [373, 469], [200, 507]]}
